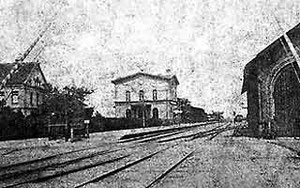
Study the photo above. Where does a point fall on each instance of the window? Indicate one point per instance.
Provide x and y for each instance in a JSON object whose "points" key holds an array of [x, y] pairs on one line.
{"points": [[15, 97], [29, 82], [155, 113], [37, 99], [141, 95], [37, 82], [2, 98], [2, 95], [140, 113], [127, 95], [128, 113], [155, 95], [31, 98]]}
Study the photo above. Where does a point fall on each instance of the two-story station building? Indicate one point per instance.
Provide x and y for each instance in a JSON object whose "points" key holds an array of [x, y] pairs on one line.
{"points": [[145, 95]]}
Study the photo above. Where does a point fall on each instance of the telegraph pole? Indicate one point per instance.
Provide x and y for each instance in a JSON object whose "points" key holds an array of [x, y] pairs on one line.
{"points": [[144, 114]]}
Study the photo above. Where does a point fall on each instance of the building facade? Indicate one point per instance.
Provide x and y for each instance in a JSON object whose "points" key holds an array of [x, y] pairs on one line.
{"points": [[22, 86], [273, 89], [143, 95]]}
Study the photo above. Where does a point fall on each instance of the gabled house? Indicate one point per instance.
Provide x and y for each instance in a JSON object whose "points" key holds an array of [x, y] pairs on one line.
{"points": [[143, 95], [22, 86]]}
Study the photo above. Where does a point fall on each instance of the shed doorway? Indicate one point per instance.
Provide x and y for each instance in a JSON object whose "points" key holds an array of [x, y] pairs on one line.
{"points": [[287, 103]]}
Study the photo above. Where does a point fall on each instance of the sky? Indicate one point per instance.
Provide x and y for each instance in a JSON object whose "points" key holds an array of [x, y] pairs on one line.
{"points": [[206, 44]]}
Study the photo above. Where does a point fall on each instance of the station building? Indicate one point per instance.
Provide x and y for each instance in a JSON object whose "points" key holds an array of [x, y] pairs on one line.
{"points": [[144, 95]]}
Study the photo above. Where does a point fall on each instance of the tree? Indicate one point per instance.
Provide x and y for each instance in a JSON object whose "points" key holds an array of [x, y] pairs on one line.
{"points": [[66, 103], [184, 105]]}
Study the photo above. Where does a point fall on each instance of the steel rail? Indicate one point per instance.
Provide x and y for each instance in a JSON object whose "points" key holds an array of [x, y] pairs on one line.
{"points": [[193, 136], [44, 158], [114, 171], [149, 133], [164, 134], [227, 128], [55, 165], [62, 173], [165, 173]]}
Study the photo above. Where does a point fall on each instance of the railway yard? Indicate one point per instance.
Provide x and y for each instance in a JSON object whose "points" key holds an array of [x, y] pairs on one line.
{"points": [[197, 155]]}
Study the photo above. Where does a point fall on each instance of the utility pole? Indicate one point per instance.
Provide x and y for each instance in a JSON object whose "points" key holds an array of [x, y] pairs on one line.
{"points": [[143, 113]]}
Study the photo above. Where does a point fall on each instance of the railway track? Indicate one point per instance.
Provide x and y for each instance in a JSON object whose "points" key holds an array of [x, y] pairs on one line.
{"points": [[160, 134], [221, 130], [168, 171], [114, 171], [139, 135], [211, 133], [63, 173], [193, 135], [44, 158], [166, 167], [59, 170], [153, 159], [52, 161], [19, 173], [91, 161]]}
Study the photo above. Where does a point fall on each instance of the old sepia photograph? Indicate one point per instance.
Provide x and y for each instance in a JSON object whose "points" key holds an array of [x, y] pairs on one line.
{"points": [[149, 94]]}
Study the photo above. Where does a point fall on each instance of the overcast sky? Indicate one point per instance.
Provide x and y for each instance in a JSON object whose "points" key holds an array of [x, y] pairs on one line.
{"points": [[205, 43]]}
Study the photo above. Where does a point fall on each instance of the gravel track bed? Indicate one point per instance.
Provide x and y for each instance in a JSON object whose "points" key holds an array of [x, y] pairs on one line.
{"points": [[143, 173], [53, 170], [67, 159], [39, 148], [30, 149], [170, 135], [187, 135], [180, 176], [57, 160], [224, 161], [70, 180]]}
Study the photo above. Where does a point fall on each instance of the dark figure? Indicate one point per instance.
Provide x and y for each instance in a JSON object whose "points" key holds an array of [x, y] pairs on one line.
{"points": [[268, 130], [297, 127]]}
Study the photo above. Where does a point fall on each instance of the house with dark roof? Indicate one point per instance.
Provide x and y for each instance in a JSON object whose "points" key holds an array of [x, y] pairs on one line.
{"points": [[22, 86], [145, 96]]}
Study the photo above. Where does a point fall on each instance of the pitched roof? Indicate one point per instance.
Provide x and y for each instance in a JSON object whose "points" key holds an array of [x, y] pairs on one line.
{"points": [[161, 77], [5, 69], [19, 75], [252, 68]]}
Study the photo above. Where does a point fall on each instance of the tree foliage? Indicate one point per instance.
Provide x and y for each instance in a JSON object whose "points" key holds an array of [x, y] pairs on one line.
{"points": [[68, 102]]}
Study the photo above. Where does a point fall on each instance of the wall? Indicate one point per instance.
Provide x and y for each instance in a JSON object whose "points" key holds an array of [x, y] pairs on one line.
{"points": [[165, 109], [164, 89]]}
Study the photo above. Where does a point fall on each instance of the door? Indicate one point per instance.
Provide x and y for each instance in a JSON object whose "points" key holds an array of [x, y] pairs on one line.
{"points": [[287, 103]]}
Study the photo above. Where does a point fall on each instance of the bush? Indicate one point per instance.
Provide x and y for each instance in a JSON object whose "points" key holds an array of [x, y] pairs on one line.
{"points": [[100, 123], [14, 125], [154, 122], [121, 123]]}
